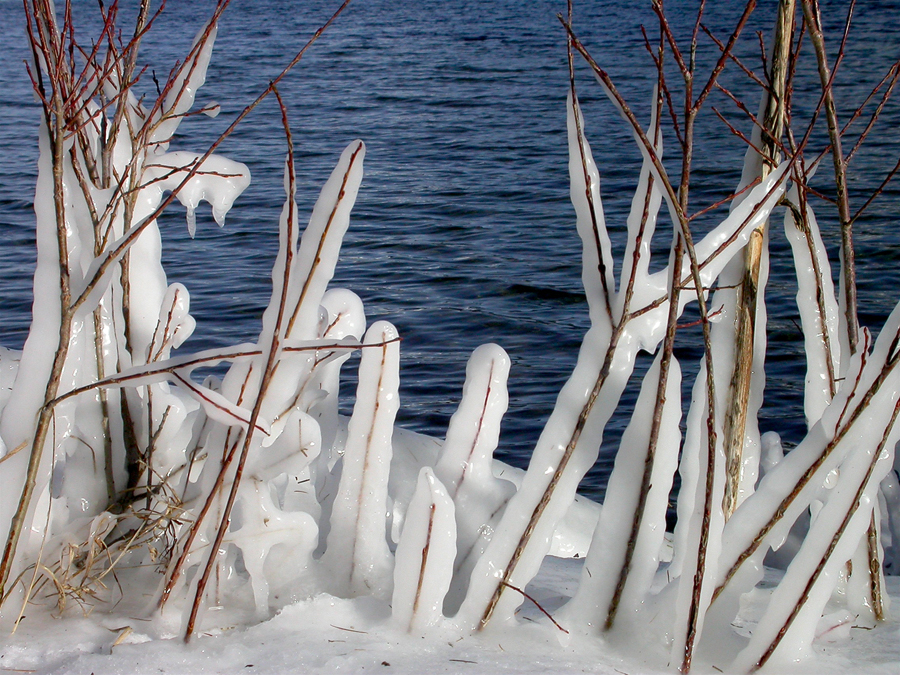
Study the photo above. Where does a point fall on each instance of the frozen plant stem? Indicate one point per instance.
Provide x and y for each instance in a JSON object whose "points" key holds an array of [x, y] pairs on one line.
{"points": [[845, 425], [273, 352], [820, 567], [813, 20], [67, 109], [55, 120], [747, 301], [678, 204], [665, 363]]}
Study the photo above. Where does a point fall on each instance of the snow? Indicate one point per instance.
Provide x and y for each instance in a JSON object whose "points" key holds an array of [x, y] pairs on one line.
{"points": [[326, 634]]}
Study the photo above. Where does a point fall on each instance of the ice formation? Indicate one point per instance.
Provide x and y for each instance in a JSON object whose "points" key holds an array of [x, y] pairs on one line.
{"points": [[253, 491]]}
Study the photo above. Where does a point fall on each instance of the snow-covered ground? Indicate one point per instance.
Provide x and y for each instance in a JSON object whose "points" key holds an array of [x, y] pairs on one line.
{"points": [[331, 635]]}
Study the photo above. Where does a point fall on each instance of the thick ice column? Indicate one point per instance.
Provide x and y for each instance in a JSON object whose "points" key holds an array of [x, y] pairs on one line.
{"points": [[19, 416], [20, 413], [815, 292], [465, 465], [424, 558], [319, 249], [786, 630], [616, 580], [358, 560], [309, 270], [570, 441], [698, 533]]}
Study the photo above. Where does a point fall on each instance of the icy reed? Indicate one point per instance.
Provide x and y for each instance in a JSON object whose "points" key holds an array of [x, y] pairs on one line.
{"points": [[127, 473]]}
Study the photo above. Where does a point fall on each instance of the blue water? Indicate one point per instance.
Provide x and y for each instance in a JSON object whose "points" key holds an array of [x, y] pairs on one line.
{"points": [[463, 232]]}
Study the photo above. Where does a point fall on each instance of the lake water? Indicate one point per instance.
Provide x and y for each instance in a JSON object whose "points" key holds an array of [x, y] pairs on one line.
{"points": [[463, 232]]}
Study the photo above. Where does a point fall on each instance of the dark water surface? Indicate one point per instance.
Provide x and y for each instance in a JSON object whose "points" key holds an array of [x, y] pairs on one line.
{"points": [[463, 232]]}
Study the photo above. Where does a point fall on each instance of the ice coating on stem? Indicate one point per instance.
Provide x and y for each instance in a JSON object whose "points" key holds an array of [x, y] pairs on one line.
{"points": [[696, 565], [788, 627], [597, 263], [475, 426], [855, 590], [569, 445], [424, 556], [811, 287], [465, 466], [291, 438], [345, 318], [47, 341], [606, 567], [297, 296], [724, 241], [641, 227], [175, 324], [183, 88], [170, 443], [357, 558], [738, 341], [17, 421], [289, 448], [137, 439], [718, 247], [316, 259], [847, 423], [863, 404]]}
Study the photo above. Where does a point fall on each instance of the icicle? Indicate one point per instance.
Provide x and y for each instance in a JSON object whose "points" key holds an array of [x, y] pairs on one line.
{"points": [[570, 442], [424, 557], [357, 558], [191, 219], [217, 180], [288, 235]]}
